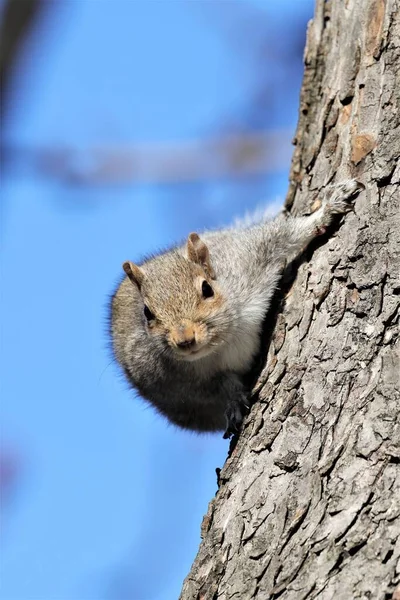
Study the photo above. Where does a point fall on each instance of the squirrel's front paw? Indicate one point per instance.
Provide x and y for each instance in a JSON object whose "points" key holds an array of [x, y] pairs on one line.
{"points": [[340, 197], [234, 415]]}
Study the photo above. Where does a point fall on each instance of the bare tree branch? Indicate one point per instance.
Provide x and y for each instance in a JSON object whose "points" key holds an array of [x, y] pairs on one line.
{"points": [[233, 156]]}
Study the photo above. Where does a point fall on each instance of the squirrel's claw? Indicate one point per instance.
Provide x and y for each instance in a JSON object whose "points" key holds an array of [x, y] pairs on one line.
{"points": [[234, 415], [340, 197]]}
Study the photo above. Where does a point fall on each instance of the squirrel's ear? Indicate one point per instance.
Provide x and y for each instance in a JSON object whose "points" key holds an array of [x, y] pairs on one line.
{"points": [[198, 253], [134, 273]]}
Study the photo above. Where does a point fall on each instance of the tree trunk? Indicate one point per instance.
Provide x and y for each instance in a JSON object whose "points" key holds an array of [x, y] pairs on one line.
{"points": [[308, 504]]}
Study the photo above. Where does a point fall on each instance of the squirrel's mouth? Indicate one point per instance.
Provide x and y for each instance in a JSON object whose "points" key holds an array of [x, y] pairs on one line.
{"points": [[189, 340], [192, 353]]}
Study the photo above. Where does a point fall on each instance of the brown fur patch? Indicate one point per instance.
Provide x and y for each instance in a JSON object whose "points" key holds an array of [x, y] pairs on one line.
{"points": [[173, 294]]}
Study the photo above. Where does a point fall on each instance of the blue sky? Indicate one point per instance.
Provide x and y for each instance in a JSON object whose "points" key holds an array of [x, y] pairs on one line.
{"points": [[109, 497]]}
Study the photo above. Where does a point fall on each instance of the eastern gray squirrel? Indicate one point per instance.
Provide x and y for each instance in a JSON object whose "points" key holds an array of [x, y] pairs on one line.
{"points": [[186, 324]]}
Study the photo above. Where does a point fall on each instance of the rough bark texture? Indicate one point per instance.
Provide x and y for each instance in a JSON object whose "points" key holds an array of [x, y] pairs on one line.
{"points": [[309, 500]]}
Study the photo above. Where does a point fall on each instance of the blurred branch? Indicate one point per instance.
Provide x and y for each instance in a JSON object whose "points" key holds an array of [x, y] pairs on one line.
{"points": [[232, 156], [17, 19]]}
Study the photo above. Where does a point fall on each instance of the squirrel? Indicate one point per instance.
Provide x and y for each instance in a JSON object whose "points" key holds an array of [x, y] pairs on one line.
{"points": [[186, 324]]}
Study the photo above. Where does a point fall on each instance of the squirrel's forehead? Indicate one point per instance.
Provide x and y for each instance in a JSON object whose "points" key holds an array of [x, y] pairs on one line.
{"points": [[164, 287], [170, 270], [167, 290]]}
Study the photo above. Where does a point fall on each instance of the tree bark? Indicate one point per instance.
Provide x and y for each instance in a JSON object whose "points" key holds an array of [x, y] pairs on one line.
{"points": [[308, 504]]}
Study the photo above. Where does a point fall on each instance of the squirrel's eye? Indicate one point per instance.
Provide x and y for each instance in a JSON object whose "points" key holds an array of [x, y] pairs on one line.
{"points": [[148, 314], [207, 290]]}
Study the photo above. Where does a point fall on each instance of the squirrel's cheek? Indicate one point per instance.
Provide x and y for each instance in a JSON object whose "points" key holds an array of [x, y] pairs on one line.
{"points": [[155, 329], [202, 333], [212, 309]]}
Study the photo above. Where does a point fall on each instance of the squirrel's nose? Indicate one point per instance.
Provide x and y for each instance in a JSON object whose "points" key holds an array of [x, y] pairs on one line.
{"points": [[183, 336], [187, 343]]}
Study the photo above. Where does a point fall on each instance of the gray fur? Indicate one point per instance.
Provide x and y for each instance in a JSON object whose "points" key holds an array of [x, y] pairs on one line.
{"points": [[208, 394]]}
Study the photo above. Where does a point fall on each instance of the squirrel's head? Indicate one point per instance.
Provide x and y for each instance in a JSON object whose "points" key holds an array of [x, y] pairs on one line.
{"points": [[182, 302]]}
